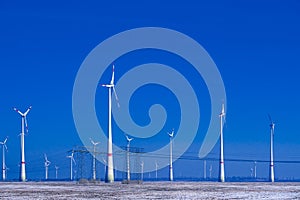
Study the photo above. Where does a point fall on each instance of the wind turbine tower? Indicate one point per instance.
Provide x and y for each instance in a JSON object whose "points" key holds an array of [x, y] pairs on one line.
{"points": [[71, 165], [110, 165], [4, 147], [94, 157], [272, 126], [222, 173], [23, 126], [171, 135], [128, 158], [47, 163]]}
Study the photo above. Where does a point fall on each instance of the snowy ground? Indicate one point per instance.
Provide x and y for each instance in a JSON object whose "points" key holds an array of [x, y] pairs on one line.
{"points": [[148, 190]]}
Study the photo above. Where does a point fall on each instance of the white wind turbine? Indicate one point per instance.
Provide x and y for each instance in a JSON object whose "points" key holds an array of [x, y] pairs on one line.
{"points": [[94, 157], [71, 164], [4, 168], [272, 126], [156, 168], [204, 169], [110, 163], [47, 163], [171, 135], [222, 173], [128, 158], [210, 171], [104, 163], [255, 169], [24, 125], [56, 171], [142, 170]]}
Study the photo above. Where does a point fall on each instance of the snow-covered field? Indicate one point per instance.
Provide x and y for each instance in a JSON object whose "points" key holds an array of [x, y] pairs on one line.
{"points": [[148, 190]]}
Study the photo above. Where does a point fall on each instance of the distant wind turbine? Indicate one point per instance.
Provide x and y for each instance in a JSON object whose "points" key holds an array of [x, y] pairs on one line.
{"points": [[272, 127], [4, 168], [24, 125], [105, 165], [128, 157], [210, 171], [56, 171], [47, 163], [94, 157], [110, 163], [156, 168], [204, 169], [71, 164], [255, 169], [222, 173], [171, 135], [142, 170]]}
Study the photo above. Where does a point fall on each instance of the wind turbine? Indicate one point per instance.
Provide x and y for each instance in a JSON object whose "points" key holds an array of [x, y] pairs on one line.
{"points": [[4, 168], [204, 169], [71, 164], [272, 126], [171, 135], [210, 171], [104, 163], [94, 157], [128, 158], [156, 167], [110, 163], [222, 173], [47, 163], [142, 170], [56, 171], [255, 169], [24, 125]]}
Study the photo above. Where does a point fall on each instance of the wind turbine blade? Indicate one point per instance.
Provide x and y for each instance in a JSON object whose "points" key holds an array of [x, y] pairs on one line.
{"points": [[45, 156], [270, 118], [116, 96], [92, 141], [27, 111], [72, 157], [171, 134], [113, 76], [223, 108], [15, 109], [26, 125], [5, 140]]}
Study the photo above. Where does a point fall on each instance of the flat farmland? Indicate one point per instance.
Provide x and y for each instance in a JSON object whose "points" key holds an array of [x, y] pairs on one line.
{"points": [[149, 190]]}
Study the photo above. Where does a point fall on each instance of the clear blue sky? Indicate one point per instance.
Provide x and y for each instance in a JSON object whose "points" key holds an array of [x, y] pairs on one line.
{"points": [[255, 45]]}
